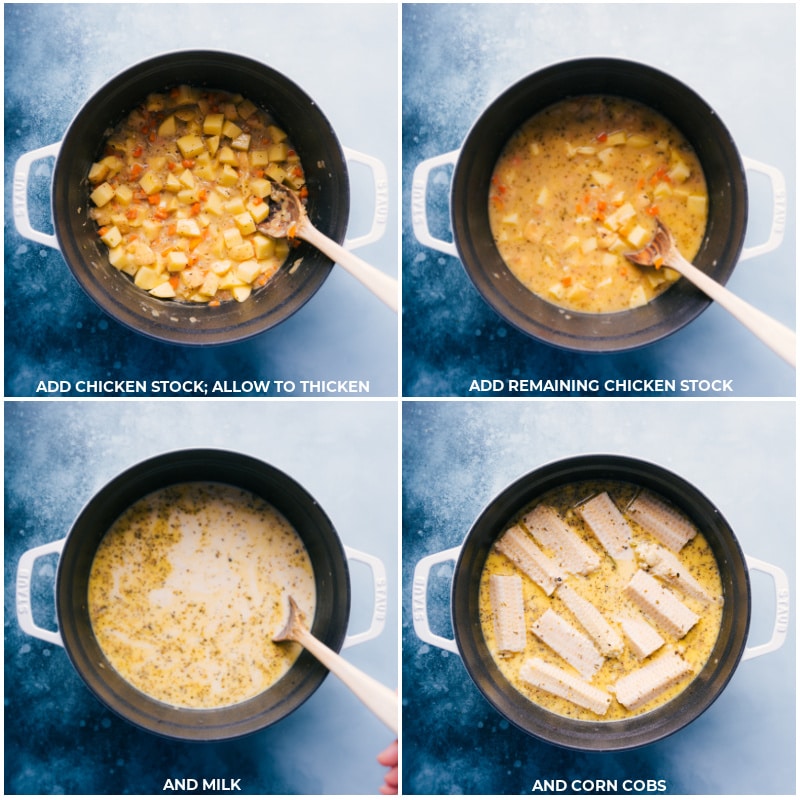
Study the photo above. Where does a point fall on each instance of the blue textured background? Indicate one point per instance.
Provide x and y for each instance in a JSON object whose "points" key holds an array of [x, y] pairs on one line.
{"points": [[457, 58], [458, 456], [58, 738], [57, 56]]}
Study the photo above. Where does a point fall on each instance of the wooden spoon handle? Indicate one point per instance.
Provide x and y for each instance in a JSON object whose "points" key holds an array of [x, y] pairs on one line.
{"points": [[381, 285], [774, 334], [378, 698]]}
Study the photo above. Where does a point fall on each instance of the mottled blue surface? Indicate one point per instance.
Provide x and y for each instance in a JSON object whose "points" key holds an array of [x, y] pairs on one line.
{"points": [[57, 56], [457, 58], [458, 456], [58, 737]]}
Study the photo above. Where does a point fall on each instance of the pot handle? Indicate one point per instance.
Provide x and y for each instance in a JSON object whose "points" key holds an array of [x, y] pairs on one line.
{"points": [[380, 597], [779, 630], [778, 183], [23, 595], [381, 183], [419, 599], [419, 196], [20, 194]]}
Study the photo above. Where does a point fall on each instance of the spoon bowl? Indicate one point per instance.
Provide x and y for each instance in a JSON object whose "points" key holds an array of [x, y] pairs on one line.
{"points": [[288, 217], [378, 698], [662, 252]]}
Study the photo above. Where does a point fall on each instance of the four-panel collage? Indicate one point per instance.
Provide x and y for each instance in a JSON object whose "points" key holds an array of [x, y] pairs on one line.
{"points": [[400, 398]]}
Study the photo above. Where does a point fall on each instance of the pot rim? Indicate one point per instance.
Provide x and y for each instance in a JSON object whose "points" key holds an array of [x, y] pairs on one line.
{"points": [[561, 328], [612, 735], [190, 324], [139, 709]]}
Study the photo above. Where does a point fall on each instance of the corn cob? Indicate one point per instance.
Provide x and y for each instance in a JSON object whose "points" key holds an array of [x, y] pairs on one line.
{"points": [[570, 551], [516, 545], [508, 610], [643, 637], [660, 604], [608, 641], [575, 648], [642, 685], [668, 525], [563, 684], [608, 525], [667, 566]]}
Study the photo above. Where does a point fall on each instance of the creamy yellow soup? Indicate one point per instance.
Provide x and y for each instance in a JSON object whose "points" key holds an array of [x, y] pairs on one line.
{"points": [[582, 183], [187, 589], [605, 586]]}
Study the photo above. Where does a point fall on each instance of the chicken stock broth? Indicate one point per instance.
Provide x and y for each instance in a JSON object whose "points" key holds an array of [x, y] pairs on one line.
{"points": [[606, 582], [187, 589], [580, 184]]}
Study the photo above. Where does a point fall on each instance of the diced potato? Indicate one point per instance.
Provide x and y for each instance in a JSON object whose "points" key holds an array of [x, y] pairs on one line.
{"points": [[241, 142], [638, 140], [98, 172], [141, 254], [151, 228], [617, 138], [638, 236], [697, 203], [278, 152], [164, 291], [616, 219], [118, 257], [241, 293], [258, 209], [187, 197], [232, 237], [246, 109], [662, 189], [230, 280], [679, 172], [212, 144], [151, 183], [172, 184], [556, 290], [589, 245], [242, 252], [570, 243], [168, 128], [207, 172], [248, 271], [229, 176], [188, 228], [212, 124], [112, 237], [577, 291], [245, 223], [230, 129], [222, 266], [259, 158], [235, 206], [638, 297], [148, 278], [276, 134], [187, 179], [543, 198], [602, 178], [183, 96], [263, 246], [155, 102], [214, 203], [210, 284], [103, 194], [260, 187], [226, 155], [177, 261], [124, 193], [114, 164], [191, 145]]}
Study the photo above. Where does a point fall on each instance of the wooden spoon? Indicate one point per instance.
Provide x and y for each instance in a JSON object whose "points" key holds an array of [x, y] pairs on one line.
{"points": [[379, 699], [288, 218], [662, 252]]}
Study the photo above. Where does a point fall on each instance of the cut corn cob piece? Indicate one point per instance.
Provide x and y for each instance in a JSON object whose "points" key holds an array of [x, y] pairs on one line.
{"points": [[575, 648], [608, 641], [660, 604], [508, 612], [643, 637], [642, 685], [516, 545], [668, 566], [668, 525], [563, 684], [608, 525], [569, 550]]}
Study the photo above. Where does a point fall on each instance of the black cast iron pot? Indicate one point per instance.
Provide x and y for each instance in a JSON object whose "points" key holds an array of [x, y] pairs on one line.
{"points": [[602, 333], [191, 324], [332, 581], [585, 735]]}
